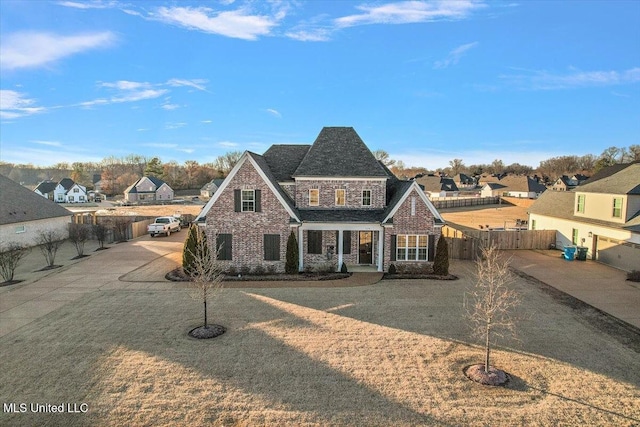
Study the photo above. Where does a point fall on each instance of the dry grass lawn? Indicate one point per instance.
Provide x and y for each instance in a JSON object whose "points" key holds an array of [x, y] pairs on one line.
{"points": [[391, 354], [491, 215]]}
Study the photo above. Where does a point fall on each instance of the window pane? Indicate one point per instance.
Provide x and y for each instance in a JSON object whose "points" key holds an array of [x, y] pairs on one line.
{"points": [[314, 197], [340, 197], [402, 241], [412, 241], [366, 197], [402, 254], [422, 254], [422, 241], [248, 201], [412, 253]]}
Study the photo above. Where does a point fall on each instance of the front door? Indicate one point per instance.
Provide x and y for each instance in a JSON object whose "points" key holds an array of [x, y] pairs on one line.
{"points": [[365, 247]]}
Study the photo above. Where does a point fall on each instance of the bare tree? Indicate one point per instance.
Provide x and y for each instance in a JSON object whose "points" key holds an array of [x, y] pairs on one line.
{"points": [[49, 242], [491, 303], [121, 228], [10, 256], [206, 278], [78, 235], [457, 166], [100, 231]]}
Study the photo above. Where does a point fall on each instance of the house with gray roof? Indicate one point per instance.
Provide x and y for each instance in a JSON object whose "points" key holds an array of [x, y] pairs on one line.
{"points": [[24, 214], [438, 186], [148, 189], [520, 186], [64, 191], [603, 215], [342, 205], [210, 187]]}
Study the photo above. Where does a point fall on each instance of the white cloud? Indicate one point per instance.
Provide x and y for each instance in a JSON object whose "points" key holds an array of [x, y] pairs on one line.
{"points": [[93, 4], [273, 112], [454, 56], [139, 95], [207, 121], [186, 150], [406, 12], [176, 125], [36, 49], [126, 85], [49, 143], [194, 83], [236, 23], [41, 156], [170, 107], [15, 104], [543, 80], [310, 35], [228, 144]]}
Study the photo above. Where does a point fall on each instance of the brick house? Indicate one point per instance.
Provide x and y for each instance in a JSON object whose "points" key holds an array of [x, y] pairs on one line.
{"points": [[148, 189], [339, 201]]}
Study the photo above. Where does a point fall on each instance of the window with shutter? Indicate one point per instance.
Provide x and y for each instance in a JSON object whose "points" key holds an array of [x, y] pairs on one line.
{"points": [[224, 245], [314, 242], [272, 247]]}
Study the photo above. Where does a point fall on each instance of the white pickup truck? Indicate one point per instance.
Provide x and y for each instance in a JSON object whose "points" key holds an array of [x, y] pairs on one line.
{"points": [[164, 225]]}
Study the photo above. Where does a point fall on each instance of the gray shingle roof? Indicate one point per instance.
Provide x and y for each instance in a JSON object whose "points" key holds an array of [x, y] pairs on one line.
{"points": [[342, 215], [617, 179], [284, 159], [436, 183], [19, 204], [339, 152], [46, 187], [262, 164], [67, 183]]}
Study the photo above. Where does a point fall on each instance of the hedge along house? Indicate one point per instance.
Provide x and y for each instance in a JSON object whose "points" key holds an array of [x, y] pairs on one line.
{"points": [[341, 203]]}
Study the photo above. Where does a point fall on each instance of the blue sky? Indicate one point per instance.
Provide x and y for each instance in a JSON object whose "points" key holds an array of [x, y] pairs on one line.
{"points": [[426, 81]]}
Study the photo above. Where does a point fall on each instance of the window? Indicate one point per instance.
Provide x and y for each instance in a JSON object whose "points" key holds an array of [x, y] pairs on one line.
{"points": [[574, 236], [617, 207], [366, 197], [76, 190], [580, 207], [224, 245], [314, 242], [533, 224], [340, 196], [413, 206], [20, 229], [248, 201], [411, 247], [272, 247], [314, 197]]}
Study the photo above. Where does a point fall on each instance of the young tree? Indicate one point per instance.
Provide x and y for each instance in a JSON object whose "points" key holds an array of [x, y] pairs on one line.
{"points": [[206, 278], [100, 231], [441, 260], [10, 256], [490, 308], [291, 264], [49, 242], [78, 235], [121, 228]]}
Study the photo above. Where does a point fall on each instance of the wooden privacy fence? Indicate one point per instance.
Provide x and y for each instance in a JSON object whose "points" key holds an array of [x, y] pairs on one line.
{"points": [[466, 243]]}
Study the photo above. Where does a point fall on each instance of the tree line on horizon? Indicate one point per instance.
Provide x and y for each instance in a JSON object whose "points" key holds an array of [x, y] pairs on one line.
{"points": [[117, 173]]}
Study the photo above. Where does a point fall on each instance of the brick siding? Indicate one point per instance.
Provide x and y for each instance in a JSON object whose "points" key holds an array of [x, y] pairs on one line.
{"points": [[353, 193]]}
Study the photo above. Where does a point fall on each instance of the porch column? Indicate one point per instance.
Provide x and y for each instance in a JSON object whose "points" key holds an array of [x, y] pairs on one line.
{"points": [[300, 249], [380, 249], [339, 243]]}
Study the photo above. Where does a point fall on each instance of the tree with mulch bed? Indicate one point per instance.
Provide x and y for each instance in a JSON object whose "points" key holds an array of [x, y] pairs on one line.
{"points": [[490, 306], [100, 231], [10, 257], [49, 241], [200, 264], [78, 235]]}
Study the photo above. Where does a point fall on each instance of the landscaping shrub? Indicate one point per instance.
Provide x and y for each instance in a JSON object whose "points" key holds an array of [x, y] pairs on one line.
{"points": [[392, 269], [271, 269], [634, 276], [259, 270], [10, 256], [291, 265], [245, 270], [343, 268], [441, 260], [191, 249]]}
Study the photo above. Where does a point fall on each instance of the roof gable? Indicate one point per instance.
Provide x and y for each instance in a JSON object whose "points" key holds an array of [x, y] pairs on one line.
{"points": [[403, 190], [339, 152], [19, 204], [617, 179], [46, 187], [67, 183]]}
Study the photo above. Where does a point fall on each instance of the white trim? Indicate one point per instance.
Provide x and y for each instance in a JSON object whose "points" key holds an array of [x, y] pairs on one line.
{"points": [[380, 250], [233, 173], [425, 199], [340, 247], [242, 200], [300, 249], [338, 178]]}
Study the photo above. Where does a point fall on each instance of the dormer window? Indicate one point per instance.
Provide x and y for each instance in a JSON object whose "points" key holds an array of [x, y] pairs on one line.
{"points": [[340, 197], [314, 197], [366, 197]]}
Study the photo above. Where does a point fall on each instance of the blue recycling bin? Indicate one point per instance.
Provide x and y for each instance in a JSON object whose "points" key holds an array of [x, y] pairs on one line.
{"points": [[569, 253]]}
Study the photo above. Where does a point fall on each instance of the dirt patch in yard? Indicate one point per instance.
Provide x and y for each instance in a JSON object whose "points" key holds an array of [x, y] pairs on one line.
{"points": [[494, 216]]}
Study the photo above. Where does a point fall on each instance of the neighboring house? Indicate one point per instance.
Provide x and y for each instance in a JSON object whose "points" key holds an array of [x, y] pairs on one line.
{"points": [[65, 191], [564, 183], [210, 187], [514, 186], [436, 186], [340, 202], [24, 214], [147, 189], [602, 214], [464, 181]]}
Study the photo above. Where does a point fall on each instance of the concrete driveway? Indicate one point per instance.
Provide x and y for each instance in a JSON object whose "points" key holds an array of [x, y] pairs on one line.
{"points": [[599, 285]]}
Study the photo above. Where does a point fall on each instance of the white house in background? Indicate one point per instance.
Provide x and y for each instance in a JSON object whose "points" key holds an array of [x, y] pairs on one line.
{"points": [[519, 186], [210, 187], [65, 191], [437, 186], [603, 214], [147, 189], [24, 214]]}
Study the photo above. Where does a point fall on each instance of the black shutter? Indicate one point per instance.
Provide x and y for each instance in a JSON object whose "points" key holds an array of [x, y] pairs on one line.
{"points": [[223, 243], [272, 247], [432, 247], [314, 242], [258, 200], [393, 247], [346, 242], [237, 200]]}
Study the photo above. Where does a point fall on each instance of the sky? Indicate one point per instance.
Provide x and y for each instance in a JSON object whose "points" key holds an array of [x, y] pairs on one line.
{"points": [[426, 81]]}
